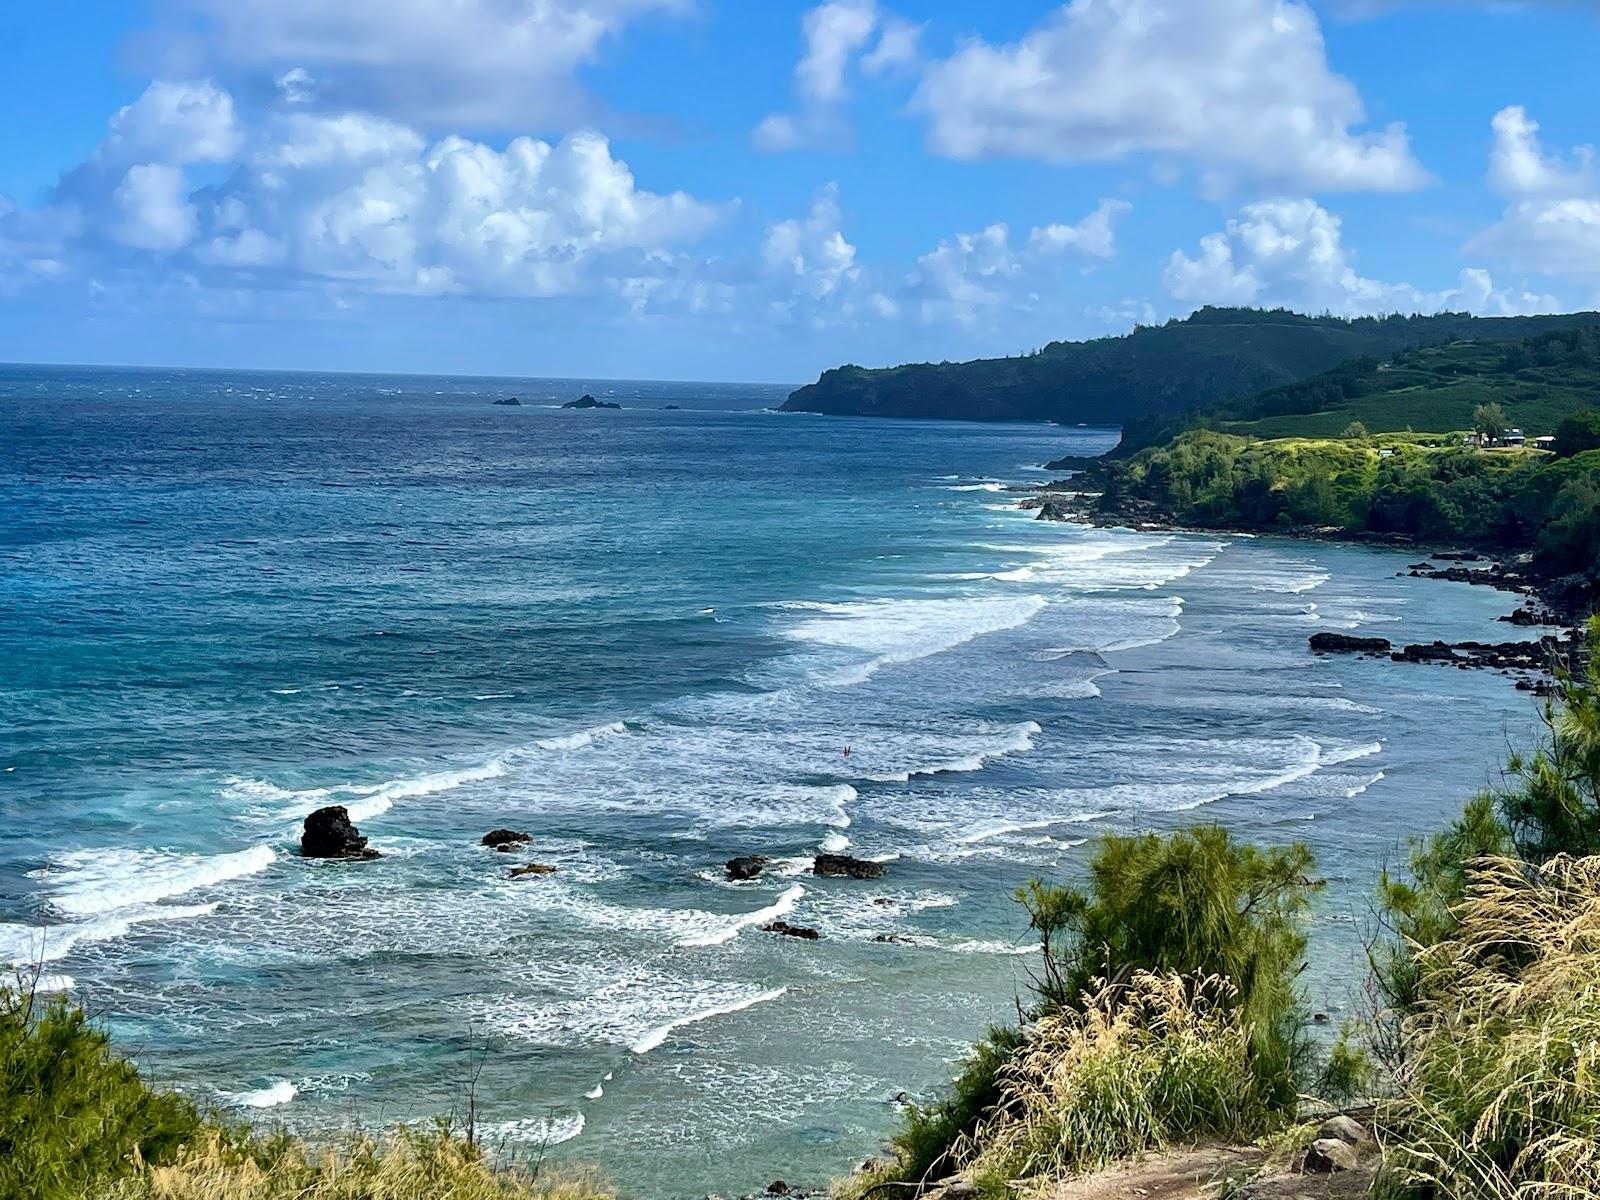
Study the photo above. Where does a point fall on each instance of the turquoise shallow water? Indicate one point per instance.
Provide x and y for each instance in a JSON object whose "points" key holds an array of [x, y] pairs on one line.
{"points": [[646, 637]]}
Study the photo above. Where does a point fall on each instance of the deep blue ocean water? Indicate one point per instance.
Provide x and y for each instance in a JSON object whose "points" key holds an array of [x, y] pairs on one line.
{"points": [[646, 637]]}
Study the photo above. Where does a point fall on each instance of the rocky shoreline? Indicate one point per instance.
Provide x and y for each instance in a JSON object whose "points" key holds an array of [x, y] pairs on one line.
{"points": [[1559, 603]]}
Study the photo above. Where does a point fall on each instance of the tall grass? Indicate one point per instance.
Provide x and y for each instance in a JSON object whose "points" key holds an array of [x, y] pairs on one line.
{"points": [[1194, 905], [1164, 1059], [403, 1166], [1500, 1093]]}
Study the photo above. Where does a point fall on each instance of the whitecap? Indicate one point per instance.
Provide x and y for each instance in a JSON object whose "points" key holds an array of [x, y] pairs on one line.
{"points": [[781, 907], [661, 1033], [94, 882], [280, 1091]]}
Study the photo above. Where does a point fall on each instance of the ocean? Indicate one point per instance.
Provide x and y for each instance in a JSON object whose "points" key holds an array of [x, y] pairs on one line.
{"points": [[646, 637]]}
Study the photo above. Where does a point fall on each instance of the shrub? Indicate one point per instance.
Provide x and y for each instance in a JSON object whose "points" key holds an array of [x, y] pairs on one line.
{"points": [[1578, 432], [408, 1165], [1498, 1098], [73, 1115], [1354, 432], [1194, 905], [1167, 1062]]}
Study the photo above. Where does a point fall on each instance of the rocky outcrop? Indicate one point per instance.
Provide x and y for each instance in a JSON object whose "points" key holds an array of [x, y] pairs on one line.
{"points": [[746, 866], [587, 401], [846, 866], [1343, 643], [803, 932], [329, 833], [509, 402], [505, 839], [531, 869]]}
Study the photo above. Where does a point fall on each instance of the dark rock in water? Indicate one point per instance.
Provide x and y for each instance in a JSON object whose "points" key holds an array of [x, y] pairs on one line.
{"points": [[894, 939], [846, 865], [670, 408], [505, 839], [1532, 616], [1458, 556], [329, 833], [531, 869], [794, 931], [746, 866], [1432, 652], [777, 1188], [1325, 643], [509, 402], [1424, 565], [587, 401]]}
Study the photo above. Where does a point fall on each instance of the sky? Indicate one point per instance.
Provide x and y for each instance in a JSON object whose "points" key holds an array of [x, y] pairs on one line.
{"points": [[759, 189]]}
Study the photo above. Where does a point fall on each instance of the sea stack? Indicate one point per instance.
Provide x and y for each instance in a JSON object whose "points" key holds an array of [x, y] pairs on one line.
{"points": [[329, 833]]}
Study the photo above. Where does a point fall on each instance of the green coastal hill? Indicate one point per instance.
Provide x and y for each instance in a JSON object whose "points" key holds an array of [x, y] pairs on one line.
{"points": [[1214, 356], [1536, 381]]}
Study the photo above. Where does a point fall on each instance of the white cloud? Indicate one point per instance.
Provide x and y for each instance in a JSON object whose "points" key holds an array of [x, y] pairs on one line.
{"points": [[176, 123], [1242, 89], [1551, 225], [152, 209], [972, 275], [812, 251], [837, 35], [503, 64], [1093, 236], [1291, 253], [364, 202]]}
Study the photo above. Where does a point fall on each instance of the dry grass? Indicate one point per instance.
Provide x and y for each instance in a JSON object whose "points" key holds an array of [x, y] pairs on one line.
{"points": [[1167, 1062], [401, 1166], [1501, 1097]]}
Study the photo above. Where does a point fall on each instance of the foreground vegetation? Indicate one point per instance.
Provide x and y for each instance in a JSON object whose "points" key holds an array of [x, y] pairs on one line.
{"points": [[78, 1123], [1167, 1013]]}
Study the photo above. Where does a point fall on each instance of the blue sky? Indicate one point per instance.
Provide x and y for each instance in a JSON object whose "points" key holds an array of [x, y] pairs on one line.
{"points": [[756, 189]]}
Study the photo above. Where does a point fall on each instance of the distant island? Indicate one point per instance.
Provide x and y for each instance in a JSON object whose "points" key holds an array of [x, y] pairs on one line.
{"points": [[510, 401], [587, 401], [1212, 356]]}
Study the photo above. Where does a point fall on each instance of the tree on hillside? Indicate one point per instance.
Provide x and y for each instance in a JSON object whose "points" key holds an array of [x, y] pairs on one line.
{"points": [[1578, 432], [1489, 423], [1354, 432]]}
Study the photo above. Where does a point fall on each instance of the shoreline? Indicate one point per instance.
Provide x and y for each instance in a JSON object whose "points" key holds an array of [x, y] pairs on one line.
{"points": [[1546, 604]]}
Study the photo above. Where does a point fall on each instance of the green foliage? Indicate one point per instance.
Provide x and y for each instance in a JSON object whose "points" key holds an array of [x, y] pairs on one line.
{"points": [[1547, 804], [73, 1115], [1497, 1098], [1214, 357], [1194, 905], [1569, 543], [1489, 422], [1578, 432], [1169, 1062], [1355, 432], [405, 1165]]}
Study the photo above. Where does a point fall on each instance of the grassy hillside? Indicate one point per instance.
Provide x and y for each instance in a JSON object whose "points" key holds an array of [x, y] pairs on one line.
{"points": [[1536, 382], [1215, 356]]}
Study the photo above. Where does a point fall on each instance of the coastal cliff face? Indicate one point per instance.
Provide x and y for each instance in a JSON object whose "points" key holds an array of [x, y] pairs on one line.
{"points": [[1214, 355]]}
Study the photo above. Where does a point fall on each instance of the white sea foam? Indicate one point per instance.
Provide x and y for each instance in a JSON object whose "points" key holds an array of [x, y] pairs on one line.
{"points": [[27, 944], [582, 738], [903, 631], [280, 1091], [541, 1131], [834, 843], [1019, 740], [781, 907], [94, 882], [661, 1033]]}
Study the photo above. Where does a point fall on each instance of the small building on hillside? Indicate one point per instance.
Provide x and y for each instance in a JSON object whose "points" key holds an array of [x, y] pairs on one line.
{"points": [[1514, 437], [1545, 441]]}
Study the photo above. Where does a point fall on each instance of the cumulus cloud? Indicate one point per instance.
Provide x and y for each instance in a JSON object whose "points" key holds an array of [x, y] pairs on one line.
{"points": [[1291, 252], [1241, 89], [360, 200], [1551, 225], [972, 275], [837, 35], [500, 64]]}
